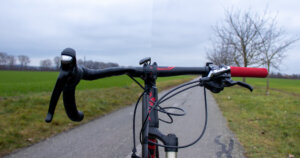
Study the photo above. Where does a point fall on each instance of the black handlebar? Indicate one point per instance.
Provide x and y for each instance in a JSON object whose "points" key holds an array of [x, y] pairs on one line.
{"points": [[71, 74]]}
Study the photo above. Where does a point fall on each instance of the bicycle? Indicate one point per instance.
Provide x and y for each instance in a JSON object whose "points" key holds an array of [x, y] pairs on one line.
{"points": [[215, 78]]}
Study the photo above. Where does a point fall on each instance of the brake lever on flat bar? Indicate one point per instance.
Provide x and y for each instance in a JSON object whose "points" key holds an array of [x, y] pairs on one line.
{"points": [[230, 83], [245, 85]]}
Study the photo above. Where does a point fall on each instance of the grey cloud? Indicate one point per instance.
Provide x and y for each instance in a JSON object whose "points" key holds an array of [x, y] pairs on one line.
{"points": [[173, 32]]}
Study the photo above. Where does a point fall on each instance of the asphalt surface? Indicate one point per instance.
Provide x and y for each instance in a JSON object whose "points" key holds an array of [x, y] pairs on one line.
{"points": [[111, 136]]}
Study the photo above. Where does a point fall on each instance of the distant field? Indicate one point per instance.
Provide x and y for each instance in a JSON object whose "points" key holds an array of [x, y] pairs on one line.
{"points": [[24, 100], [286, 85], [266, 125], [13, 83]]}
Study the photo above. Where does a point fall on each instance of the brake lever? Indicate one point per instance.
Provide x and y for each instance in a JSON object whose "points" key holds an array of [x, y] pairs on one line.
{"points": [[69, 96], [61, 81], [245, 85], [218, 78], [230, 83], [69, 76]]}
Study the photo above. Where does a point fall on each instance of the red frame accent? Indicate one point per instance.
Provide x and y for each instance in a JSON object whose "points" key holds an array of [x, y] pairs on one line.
{"points": [[151, 102], [152, 148], [165, 68]]}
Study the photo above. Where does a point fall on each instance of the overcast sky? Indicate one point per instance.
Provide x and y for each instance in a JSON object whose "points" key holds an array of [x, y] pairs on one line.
{"points": [[172, 32]]}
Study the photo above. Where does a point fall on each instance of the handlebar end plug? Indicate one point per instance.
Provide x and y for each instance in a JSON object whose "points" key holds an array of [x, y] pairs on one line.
{"points": [[81, 116], [78, 117], [49, 118]]}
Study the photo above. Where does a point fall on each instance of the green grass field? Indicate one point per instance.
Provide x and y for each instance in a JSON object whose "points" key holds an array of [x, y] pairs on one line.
{"points": [[284, 85], [266, 125], [15, 83], [24, 100]]}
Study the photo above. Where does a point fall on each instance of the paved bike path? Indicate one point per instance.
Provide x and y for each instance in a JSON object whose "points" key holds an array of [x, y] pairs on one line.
{"points": [[111, 136]]}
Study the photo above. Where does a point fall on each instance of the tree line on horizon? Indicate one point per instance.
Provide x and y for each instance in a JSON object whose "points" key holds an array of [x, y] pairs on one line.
{"points": [[9, 62], [21, 62]]}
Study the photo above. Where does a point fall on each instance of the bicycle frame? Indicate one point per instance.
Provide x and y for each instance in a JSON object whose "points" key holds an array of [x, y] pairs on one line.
{"points": [[151, 132]]}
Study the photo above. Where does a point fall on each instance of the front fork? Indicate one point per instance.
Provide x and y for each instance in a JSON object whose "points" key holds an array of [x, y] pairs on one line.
{"points": [[172, 140], [153, 150], [151, 132], [171, 154], [168, 140]]}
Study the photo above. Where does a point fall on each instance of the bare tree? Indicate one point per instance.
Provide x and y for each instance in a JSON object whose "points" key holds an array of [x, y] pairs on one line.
{"points": [[112, 64], [24, 60], [89, 64], [80, 62], [56, 61], [239, 37], [249, 39], [46, 64], [96, 64], [11, 60], [274, 46], [3, 57], [221, 54], [93, 64]]}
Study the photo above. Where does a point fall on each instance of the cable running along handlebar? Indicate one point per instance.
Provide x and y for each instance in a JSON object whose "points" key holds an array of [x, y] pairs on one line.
{"points": [[214, 78]]}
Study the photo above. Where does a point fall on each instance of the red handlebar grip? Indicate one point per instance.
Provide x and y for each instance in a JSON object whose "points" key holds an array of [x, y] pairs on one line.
{"points": [[248, 72]]}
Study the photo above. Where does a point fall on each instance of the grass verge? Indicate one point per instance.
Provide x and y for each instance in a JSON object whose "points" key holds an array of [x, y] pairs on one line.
{"points": [[22, 117], [267, 126]]}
